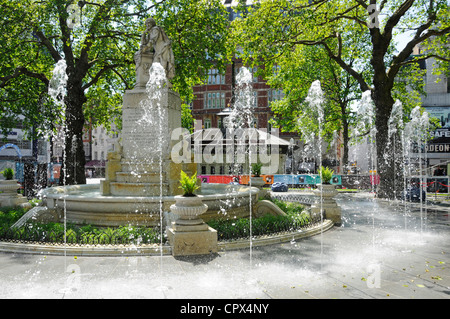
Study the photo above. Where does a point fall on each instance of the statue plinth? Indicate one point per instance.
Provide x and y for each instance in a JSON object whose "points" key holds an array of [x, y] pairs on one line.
{"points": [[145, 147], [143, 63], [135, 168]]}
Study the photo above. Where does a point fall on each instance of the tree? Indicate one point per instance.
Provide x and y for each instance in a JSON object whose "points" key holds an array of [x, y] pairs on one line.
{"points": [[294, 72], [97, 39], [276, 27]]}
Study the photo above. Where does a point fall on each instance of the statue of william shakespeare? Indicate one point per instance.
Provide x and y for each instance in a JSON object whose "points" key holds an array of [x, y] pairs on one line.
{"points": [[155, 46]]}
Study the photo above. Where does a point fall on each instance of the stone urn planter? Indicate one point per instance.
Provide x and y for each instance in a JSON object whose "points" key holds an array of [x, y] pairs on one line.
{"points": [[189, 234], [188, 209], [327, 191], [325, 201], [259, 182], [9, 195]]}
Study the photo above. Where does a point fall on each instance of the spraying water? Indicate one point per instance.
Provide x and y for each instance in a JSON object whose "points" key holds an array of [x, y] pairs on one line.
{"points": [[416, 133], [57, 90], [315, 101], [242, 116], [154, 114], [366, 126], [57, 85]]}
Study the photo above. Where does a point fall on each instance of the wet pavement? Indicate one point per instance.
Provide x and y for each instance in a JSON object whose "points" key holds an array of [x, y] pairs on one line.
{"points": [[382, 251]]}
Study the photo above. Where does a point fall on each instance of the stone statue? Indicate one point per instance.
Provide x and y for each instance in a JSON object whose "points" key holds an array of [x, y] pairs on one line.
{"points": [[154, 40]]}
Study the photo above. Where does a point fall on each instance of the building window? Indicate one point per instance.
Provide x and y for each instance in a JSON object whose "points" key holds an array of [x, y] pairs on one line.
{"points": [[276, 69], [269, 125], [42, 147], [214, 77], [255, 122], [214, 100], [207, 123], [87, 149], [255, 77], [203, 170], [213, 170], [275, 95]]}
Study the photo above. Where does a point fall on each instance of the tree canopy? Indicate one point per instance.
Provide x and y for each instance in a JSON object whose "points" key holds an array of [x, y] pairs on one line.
{"points": [[359, 37], [97, 39]]}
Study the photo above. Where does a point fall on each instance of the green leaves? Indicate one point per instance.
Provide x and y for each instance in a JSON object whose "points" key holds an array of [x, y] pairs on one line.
{"points": [[240, 228], [188, 184], [326, 174], [99, 53], [199, 31], [8, 173]]}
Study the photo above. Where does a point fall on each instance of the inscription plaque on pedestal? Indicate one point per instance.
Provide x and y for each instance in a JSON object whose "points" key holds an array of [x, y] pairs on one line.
{"points": [[140, 137]]}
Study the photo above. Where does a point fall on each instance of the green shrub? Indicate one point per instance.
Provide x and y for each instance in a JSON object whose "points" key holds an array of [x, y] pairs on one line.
{"points": [[75, 234], [296, 218], [256, 169], [326, 174], [8, 216], [8, 173], [188, 184], [288, 207]]}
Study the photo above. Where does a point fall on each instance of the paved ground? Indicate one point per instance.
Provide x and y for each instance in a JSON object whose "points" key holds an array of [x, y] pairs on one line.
{"points": [[379, 252]]}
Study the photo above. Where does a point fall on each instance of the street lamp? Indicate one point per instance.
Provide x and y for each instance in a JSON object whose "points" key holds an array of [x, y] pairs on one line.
{"points": [[223, 115]]}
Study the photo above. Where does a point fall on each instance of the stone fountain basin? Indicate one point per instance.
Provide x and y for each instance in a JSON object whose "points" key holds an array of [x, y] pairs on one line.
{"points": [[84, 204]]}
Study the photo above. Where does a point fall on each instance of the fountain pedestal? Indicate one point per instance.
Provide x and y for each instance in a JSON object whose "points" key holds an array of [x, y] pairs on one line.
{"points": [[328, 205], [190, 235], [140, 175], [134, 168]]}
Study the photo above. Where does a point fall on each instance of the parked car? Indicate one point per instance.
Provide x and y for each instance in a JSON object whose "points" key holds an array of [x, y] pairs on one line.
{"points": [[279, 187], [412, 194]]}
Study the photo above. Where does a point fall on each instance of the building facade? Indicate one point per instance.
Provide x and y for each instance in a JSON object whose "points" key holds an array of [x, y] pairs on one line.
{"points": [[15, 147], [437, 104], [100, 144], [216, 95]]}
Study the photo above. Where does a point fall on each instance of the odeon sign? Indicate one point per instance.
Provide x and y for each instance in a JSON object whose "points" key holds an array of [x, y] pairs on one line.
{"points": [[438, 148]]}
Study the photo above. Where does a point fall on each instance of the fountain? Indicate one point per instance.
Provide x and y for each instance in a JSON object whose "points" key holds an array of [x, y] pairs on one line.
{"points": [[325, 205], [142, 180]]}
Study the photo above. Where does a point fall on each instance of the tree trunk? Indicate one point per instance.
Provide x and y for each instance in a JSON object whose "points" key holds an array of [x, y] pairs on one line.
{"points": [[382, 98], [345, 137], [73, 170], [385, 164], [398, 163]]}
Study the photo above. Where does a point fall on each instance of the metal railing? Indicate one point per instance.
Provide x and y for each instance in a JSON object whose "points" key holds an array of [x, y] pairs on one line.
{"points": [[294, 197]]}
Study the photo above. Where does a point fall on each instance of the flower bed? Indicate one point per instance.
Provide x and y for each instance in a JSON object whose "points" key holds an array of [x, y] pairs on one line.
{"points": [[296, 218]]}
